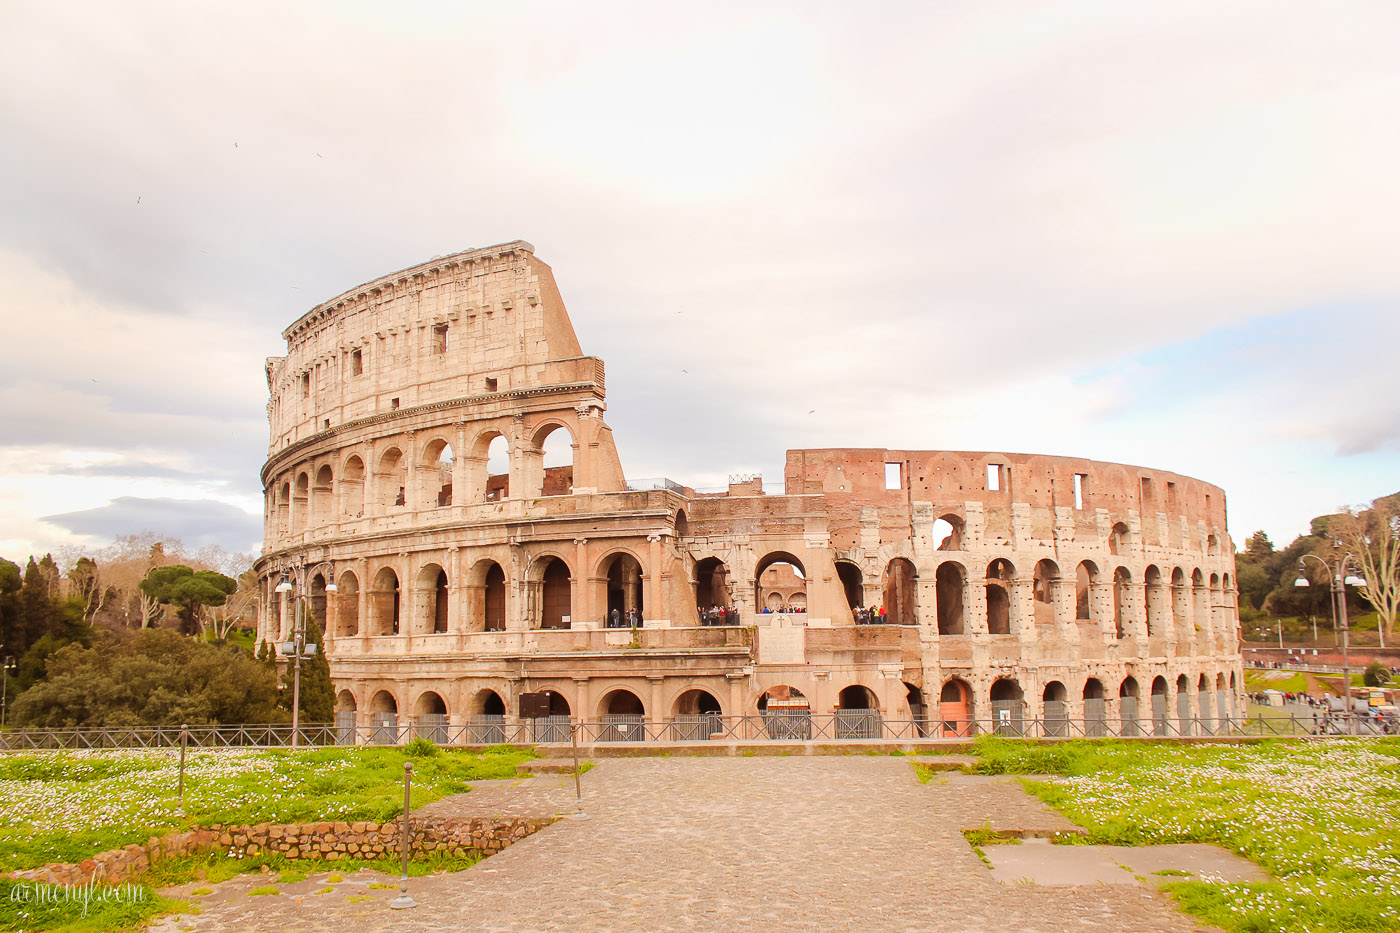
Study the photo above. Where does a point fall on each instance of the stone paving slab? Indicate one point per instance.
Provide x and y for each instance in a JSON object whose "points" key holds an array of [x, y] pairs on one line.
{"points": [[521, 798], [1039, 862], [780, 844]]}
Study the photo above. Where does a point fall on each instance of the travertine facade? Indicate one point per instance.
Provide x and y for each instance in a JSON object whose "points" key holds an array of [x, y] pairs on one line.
{"points": [[1016, 587]]}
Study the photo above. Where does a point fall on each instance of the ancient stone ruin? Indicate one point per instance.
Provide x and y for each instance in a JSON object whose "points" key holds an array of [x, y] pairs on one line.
{"points": [[439, 453]]}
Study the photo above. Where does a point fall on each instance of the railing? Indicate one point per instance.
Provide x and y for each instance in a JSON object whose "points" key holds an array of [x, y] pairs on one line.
{"points": [[773, 726]]}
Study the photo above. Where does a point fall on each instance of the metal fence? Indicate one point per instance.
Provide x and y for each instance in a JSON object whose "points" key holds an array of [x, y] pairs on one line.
{"points": [[387, 729]]}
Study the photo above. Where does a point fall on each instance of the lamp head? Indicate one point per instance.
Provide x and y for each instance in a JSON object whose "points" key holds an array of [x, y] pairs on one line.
{"points": [[285, 586], [332, 588], [1355, 580], [1301, 581]]}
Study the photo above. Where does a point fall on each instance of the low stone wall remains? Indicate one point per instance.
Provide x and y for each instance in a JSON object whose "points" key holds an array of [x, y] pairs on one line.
{"points": [[326, 841]]}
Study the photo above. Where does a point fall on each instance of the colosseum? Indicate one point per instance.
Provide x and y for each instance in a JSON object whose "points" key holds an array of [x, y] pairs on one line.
{"points": [[444, 492]]}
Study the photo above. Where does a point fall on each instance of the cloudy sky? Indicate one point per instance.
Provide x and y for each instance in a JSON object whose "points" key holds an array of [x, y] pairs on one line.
{"points": [[1154, 233]]}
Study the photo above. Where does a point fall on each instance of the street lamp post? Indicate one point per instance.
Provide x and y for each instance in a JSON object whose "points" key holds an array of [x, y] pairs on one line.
{"points": [[1339, 580], [7, 664], [297, 648]]}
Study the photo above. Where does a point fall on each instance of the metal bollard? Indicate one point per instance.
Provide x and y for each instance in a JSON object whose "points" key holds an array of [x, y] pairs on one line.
{"points": [[403, 900], [578, 788]]}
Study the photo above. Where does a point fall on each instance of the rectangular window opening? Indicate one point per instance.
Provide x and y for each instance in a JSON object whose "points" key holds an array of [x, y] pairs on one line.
{"points": [[993, 477], [305, 385], [1171, 497], [490, 384], [439, 338], [357, 363], [1079, 479], [892, 478], [393, 403], [1146, 493]]}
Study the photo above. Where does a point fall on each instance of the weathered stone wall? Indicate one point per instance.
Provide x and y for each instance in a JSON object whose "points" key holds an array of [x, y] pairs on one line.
{"points": [[328, 841]]}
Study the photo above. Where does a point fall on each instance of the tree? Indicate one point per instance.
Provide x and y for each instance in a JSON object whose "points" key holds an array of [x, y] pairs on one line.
{"points": [[153, 677], [221, 619], [189, 591], [1377, 675], [317, 690], [1372, 536]]}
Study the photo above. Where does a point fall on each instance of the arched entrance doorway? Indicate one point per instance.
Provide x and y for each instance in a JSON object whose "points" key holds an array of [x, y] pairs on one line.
{"points": [[623, 717], [697, 717], [1055, 704], [1128, 707], [345, 718], [384, 719], [1006, 707], [712, 600], [786, 713], [1095, 709], [430, 718], [955, 709], [486, 723], [858, 714], [1159, 706]]}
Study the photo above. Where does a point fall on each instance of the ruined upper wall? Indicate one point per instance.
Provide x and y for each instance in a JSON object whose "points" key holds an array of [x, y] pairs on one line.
{"points": [[475, 322]]}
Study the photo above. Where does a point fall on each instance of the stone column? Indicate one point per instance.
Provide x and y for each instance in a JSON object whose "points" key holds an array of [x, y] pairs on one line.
{"points": [[1022, 593], [735, 707], [655, 602], [583, 702], [583, 603], [1101, 610], [974, 606], [656, 716]]}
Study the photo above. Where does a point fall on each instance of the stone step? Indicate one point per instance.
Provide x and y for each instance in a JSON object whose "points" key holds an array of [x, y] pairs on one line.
{"points": [[946, 762]]}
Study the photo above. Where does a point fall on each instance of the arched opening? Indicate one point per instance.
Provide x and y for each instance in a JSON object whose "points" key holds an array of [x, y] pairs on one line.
{"points": [[301, 502], [384, 603], [1128, 706], [712, 599], [1203, 706], [786, 713], [345, 708], [1095, 709], [284, 509], [486, 724], [1159, 706], [556, 448], [384, 719], [1000, 573], [682, 524], [1085, 576], [431, 602], [435, 475], [948, 533], [858, 714], [623, 717], [851, 578], [1121, 580], [779, 577], [1212, 545], [948, 585], [1044, 579], [430, 718], [697, 717], [901, 606], [1118, 539], [347, 614], [556, 596], [497, 468], [1178, 598], [494, 599], [322, 495], [1224, 709], [1056, 709], [1006, 707], [622, 579], [389, 479], [352, 488], [918, 715], [1156, 601], [955, 709], [1183, 705], [556, 726]]}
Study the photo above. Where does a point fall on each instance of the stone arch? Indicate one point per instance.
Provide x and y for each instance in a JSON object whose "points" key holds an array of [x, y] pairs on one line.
{"points": [[1055, 706], [1128, 706], [857, 696], [1156, 599], [1159, 705], [486, 597], [556, 593], [852, 583], [556, 458], [489, 455], [948, 532], [347, 613], [317, 599], [1095, 708], [781, 584], [783, 693], [284, 507], [1085, 576], [430, 600], [712, 590], [1118, 538], [696, 702], [1179, 597], [682, 524], [620, 577], [1122, 579], [858, 713], [1000, 573], [301, 501], [914, 702], [620, 702], [1045, 579], [384, 603], [430, 703], [1183, 704], [486, 702], [323, 494], [901, 592], [955, 708], [434, 474], [345, 702], [390, 479], [949, 580], [352, 487], [1212, 545], [1203, 702], [383, 701], [1007, 701]]}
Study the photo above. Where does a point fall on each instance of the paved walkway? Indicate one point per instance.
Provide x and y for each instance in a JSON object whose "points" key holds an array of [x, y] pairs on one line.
{"points": [[810, 843]]}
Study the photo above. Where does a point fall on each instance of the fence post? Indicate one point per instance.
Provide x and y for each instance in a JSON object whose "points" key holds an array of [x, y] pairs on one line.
{"points": [[578, 787], [184, 741], [403, 900]]}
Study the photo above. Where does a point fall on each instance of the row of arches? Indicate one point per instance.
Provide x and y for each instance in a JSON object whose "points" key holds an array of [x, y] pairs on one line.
{"points": [[949, 532], [311, 497]]}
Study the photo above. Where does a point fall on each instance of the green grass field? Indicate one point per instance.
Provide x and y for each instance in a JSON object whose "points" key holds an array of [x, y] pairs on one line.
{"points": [[1323, 818]]}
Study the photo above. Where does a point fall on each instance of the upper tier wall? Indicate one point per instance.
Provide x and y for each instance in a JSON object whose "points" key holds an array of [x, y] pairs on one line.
{"points": [[475, 322]]}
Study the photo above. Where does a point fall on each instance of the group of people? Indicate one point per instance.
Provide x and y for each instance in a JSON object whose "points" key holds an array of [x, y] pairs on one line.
{"points": [[719, 615], [629, 619], [767, 611], [870, 615]]}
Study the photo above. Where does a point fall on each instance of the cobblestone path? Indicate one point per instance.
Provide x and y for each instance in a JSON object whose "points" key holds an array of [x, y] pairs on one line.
{"points": [[811, 843]]}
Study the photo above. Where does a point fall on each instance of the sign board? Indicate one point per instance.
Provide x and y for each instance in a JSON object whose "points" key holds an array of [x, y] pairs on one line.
{"points": [[534, 705]]}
